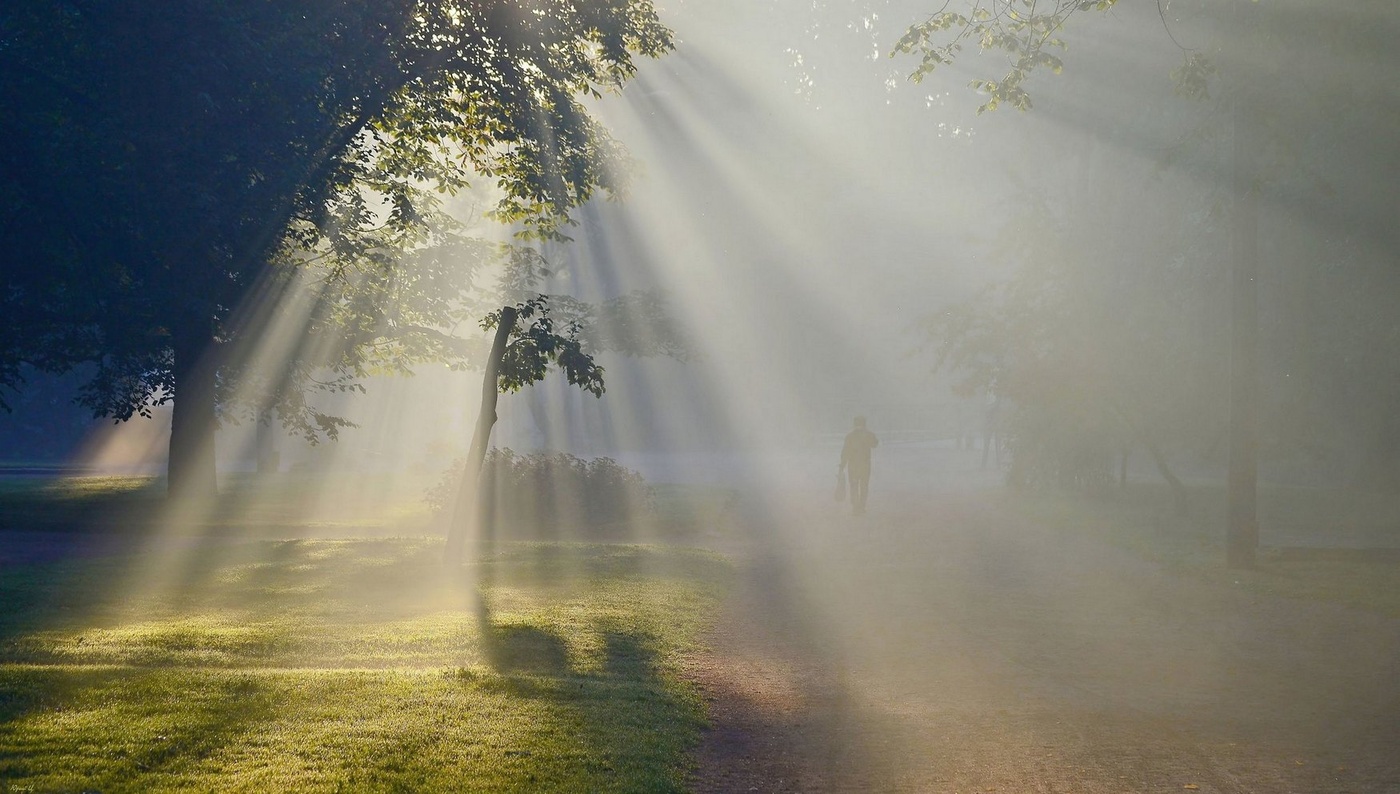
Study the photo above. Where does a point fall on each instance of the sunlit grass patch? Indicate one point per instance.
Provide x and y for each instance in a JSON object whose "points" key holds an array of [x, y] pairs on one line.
{"points": [[325, 665], [306, 730]]}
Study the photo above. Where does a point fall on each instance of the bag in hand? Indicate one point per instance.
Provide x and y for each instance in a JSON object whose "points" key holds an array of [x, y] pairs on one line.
{"points": [[840, 485]]}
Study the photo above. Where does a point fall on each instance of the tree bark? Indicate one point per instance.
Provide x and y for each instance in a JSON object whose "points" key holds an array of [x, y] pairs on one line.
{"points": [[190, 471], [465, 511]]}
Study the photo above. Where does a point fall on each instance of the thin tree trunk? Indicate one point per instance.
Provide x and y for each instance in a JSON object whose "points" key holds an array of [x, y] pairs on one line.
{"points": [[1242, 524], [1123, 453], [190, 471], [465, 510], [269, 460], [1137, 431], [1179, 495]]}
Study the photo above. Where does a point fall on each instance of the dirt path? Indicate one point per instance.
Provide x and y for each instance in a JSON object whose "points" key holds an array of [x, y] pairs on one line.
{"points": [[936, 645]]}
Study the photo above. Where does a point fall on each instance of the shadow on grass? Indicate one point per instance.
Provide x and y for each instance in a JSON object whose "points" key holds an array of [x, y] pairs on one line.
{"points": [[197, 664], [524, 649], [80, 504], [623, 724], [624, 720]]}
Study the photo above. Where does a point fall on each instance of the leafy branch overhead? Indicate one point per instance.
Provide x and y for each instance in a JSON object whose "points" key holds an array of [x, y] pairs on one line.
{"points": [[635, 323], [534, 344], [1028, 33], [1026, 30]]}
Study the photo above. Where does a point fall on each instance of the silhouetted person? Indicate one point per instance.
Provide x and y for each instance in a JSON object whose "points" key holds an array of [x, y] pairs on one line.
{"points": [[855, 460]]}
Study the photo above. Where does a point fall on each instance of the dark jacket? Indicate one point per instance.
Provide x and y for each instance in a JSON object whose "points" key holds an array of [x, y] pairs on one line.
{"points": [[856, 451]]}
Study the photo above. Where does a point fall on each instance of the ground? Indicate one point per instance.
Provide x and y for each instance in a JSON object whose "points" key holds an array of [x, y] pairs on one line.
{"points": [[947, 643], [954, 640]]}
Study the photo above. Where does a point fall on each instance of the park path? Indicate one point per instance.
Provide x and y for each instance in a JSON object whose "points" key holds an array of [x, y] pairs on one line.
{"points": [[939, 644]]}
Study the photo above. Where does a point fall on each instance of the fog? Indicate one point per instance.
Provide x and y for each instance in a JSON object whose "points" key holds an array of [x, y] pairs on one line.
{"points": [[1038, 313]]}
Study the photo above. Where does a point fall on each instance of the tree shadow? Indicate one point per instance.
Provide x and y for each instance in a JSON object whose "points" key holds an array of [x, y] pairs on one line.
{"points": [[511, 647], [519, 648], [624, 717], [622, 713]]}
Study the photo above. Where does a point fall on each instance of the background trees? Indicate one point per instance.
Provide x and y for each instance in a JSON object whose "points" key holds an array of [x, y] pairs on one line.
{"points": [[1283, 87], [1096, 344]]}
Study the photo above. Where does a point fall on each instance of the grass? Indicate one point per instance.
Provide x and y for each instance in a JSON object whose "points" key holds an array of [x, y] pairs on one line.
{"points": [[294, 502], [247, 504], [353, 665], [74, 503], [1316, 544], [692, 512], [308, 503]]}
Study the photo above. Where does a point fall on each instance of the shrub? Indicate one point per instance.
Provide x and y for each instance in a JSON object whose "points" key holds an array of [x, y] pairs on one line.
{"points": [[543, 493]]}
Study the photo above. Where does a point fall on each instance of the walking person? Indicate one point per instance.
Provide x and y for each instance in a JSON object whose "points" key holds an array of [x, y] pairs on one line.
{"points": [[855, 461]]}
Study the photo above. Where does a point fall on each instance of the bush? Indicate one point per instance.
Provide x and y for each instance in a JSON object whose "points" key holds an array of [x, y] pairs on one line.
{"points": [[542, 493]]}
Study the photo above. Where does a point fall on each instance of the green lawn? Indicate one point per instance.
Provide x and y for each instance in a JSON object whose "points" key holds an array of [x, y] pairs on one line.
{"points": [[271, 506], [359, 665], [1336, 524]]}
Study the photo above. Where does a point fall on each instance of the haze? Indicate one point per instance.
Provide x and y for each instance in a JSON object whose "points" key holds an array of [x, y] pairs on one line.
{"points": [[1132, 519]]}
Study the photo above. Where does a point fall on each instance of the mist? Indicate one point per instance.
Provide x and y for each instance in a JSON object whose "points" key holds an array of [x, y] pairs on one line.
{"points": [[1121, 327]]}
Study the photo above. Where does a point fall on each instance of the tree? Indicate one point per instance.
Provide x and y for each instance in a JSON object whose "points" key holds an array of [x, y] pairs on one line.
{"points": [[1088, 356], [167, 163], [1314, 74], [524, 346]]}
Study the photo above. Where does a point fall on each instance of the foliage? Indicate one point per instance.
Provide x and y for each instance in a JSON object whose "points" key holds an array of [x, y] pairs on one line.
{"points": [[1027, 31], [635, 323], [544, 493], [1085, 355], [533, 345], [1018, 344], [1290, 97]]}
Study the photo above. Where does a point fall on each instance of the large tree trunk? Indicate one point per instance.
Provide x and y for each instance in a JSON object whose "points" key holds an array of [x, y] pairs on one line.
{"points": [[190, 471], [465, 511]]}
